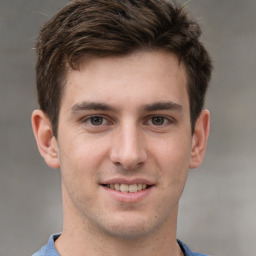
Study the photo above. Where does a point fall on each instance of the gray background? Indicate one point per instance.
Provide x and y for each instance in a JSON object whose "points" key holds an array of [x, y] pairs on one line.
{"points": [[218, 208]]}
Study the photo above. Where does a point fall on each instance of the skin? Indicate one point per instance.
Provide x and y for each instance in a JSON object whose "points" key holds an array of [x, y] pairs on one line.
{"points": [[142, 130]]}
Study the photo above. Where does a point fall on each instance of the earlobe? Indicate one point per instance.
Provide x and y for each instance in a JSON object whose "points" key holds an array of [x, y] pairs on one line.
{"points": [[199, 140], [46, 142]]}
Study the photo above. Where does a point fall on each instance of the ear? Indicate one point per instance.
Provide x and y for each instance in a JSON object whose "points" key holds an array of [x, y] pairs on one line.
{"points": [[46, 142], [199, 139]]}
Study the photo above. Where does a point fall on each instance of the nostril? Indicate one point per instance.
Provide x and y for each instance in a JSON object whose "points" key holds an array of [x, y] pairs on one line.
{"points": [[131, 166]]}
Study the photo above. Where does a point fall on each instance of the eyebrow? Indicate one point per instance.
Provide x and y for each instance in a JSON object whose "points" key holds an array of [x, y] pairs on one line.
{"points": [[162, 106], [106, 107], [91, 106]]}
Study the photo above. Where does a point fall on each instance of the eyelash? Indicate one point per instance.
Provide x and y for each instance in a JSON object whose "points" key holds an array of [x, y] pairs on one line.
{"points": [[149, 120], [164, 119], [88, 120]]}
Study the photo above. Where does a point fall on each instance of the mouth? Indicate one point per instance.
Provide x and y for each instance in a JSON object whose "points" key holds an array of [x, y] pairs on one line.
{"points": [[127, 188]]}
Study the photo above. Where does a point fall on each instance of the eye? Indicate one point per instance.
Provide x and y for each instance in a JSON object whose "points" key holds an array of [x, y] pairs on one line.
{"points": [[96, 120], [96, 123], [158, 120]]}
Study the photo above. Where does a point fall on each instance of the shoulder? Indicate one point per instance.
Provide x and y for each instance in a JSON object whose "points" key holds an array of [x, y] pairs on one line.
{"points": [[188, 252], [41, 252], [48, 249]]}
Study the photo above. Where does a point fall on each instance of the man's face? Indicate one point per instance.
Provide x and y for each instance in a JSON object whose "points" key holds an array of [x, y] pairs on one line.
{"points": [[124, 124]]}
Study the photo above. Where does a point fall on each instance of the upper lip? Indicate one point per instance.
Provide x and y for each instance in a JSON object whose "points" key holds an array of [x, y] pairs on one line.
{"points": [[128, 181]]}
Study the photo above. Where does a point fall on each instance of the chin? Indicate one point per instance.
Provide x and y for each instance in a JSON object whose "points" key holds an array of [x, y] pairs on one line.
{"points": [[130, 228], [128, 233]]}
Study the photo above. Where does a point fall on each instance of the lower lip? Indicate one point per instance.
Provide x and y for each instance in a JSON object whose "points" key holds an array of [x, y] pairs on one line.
{"points": [[128, 197]]}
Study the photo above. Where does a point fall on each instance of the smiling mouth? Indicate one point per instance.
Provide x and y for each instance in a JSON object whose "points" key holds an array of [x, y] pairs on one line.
{"points": [[132, 188]]}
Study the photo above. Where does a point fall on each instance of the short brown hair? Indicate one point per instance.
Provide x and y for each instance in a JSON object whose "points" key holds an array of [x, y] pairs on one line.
{"points": [[86, 28]]}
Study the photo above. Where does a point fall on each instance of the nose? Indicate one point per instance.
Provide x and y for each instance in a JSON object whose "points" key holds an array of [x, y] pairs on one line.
{"points": [[128, 149]]}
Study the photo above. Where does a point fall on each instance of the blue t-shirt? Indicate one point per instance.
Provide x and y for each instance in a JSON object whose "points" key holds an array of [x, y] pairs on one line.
{"points": [[50, 250]]}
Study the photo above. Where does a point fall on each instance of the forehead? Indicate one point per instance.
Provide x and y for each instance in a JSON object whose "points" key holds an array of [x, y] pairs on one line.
{"points": [[141, 77]]}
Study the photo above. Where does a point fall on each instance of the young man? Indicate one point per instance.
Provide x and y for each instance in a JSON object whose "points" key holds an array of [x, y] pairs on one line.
{"points": [[121, 86]]}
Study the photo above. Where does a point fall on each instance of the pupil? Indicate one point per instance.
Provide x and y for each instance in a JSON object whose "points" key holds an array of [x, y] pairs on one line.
{"points": [[96, 120], [158, 120]]}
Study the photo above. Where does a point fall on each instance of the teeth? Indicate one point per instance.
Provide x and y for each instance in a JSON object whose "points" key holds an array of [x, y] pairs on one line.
{"points": [[139, 187], [133, 188], [127, 188], [124, 188]]}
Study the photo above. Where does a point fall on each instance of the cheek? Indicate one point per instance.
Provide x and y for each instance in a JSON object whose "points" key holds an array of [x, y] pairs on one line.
{"points": [[82, 152], [80, 161], [172, 158], [173, 152]]}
